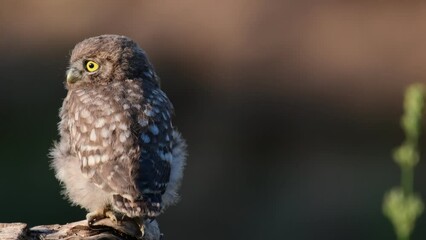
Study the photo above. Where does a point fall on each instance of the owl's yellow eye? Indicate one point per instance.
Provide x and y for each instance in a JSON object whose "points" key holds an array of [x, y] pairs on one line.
{"points": [[91, 66]]}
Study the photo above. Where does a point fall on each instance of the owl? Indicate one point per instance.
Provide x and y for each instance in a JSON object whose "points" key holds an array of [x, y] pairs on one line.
{"points": [[119, 155]]}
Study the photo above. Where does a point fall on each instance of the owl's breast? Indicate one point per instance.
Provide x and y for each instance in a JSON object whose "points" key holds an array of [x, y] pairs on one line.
{"points": [[100, 126]]}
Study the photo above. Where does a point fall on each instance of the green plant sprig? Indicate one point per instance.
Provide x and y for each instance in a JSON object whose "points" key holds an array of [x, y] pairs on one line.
{"points": [[401, 205]]}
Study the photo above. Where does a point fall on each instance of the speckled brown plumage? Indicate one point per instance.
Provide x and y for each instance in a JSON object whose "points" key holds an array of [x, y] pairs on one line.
{"points": [[118, 150]]}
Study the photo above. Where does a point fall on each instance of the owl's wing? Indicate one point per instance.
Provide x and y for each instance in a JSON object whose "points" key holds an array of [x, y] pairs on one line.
{"points": [[155, 141]]}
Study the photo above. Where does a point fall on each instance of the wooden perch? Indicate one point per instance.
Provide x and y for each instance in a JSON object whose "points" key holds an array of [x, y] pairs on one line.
{"points": [[71, 231]]}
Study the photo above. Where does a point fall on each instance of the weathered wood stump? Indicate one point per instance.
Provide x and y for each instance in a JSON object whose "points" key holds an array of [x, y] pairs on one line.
{"points": [[71, 231]]}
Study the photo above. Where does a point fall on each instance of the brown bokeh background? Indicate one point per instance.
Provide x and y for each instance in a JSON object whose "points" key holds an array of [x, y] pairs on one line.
{"points": [[290, 109]]}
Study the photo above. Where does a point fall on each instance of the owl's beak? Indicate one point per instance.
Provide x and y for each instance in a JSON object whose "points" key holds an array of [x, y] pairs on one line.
{"points": [[73, 75]]}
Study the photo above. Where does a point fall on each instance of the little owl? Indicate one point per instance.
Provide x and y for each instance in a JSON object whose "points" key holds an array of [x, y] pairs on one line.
{"points": [[119, 155]]}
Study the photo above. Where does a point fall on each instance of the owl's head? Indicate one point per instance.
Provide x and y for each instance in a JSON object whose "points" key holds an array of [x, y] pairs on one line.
{"points": [[107, 58]]}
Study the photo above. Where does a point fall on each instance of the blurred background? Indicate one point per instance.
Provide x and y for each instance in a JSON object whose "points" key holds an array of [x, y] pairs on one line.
{"points": [[290, 108]]}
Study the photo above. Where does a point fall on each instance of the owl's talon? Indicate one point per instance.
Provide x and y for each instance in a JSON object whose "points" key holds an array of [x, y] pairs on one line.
{"points": [[112, 215], [126, 226], [94, 217]]}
